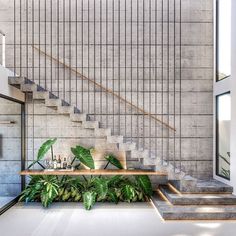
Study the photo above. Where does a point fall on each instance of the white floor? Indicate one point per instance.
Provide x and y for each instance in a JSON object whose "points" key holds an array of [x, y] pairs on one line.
{"points": [[70, 219]]}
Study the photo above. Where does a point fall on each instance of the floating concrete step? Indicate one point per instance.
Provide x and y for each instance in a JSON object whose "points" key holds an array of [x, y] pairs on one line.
{"points": [[102, 132], [15, 80], [28, 87], [90, 124], [127, 146], [192, 185], [78, 117], [53, 103], [193, 212], [197, 199], [115, 139]]}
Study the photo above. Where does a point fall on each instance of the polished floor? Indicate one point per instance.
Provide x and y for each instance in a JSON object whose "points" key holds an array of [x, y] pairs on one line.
{"points": [[70, 219]]}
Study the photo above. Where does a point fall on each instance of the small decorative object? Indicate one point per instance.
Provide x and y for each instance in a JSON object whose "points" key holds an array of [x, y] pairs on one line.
{"points": [[59, 162], [64, 163]]}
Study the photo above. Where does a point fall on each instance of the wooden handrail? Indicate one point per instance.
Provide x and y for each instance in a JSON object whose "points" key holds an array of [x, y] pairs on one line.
{"points": [[107, 90]]}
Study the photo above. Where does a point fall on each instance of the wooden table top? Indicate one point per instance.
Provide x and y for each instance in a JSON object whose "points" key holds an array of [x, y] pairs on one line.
{"points": [[92, 172]]}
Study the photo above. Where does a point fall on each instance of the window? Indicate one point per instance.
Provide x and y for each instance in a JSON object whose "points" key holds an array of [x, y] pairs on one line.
{"points": [[223, 117], [223, 39]]}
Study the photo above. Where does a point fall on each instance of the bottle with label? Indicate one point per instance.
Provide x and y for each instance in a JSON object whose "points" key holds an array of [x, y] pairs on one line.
{"points": [[54, 162], [59, 162], [64, 163]]}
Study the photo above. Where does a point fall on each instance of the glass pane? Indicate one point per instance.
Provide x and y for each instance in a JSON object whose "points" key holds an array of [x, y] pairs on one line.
{"points": [[223, 135], [223, 39], [10, 150]]}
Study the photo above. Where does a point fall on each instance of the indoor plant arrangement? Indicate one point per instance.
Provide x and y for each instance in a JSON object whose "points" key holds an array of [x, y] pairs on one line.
{"points": [[89, 190]]}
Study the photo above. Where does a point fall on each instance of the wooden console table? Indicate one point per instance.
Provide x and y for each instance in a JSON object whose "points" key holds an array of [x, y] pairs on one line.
{"points": [[93, 172]]}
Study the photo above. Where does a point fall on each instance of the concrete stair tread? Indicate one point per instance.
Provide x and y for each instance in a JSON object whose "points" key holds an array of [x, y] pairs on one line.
{"points": [[193, 212], [197, 199]]}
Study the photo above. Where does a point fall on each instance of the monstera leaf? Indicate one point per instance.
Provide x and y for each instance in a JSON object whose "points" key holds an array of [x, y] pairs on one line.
{"points": [[145, 184], [45, 147], [84, 156], [114, 161], [89, 199]]}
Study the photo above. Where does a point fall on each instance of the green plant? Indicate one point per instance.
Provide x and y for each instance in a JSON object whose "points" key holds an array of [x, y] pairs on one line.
{"points": [[45, 147], [84, 156], [114, 161], [41, 188], [48, 189]]}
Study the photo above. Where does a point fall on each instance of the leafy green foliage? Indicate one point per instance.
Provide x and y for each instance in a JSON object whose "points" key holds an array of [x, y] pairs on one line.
{"points": [[128, 192], [114, 161], [84, 156], [89, 199], [145, 184], [45, 147], [101, 188], [48, 189]]}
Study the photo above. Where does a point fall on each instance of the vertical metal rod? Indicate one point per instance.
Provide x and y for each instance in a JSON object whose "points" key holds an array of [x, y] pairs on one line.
{"points": [[33, 40], [27, 35], [14, 58], [106, 62], [155, 75], [125, 71], [94, 58], [180, 85], [137, 72], [150, 74], [88, 107], [20, 40], [143, 72], [39, 43], [51, 75], [101, 91], [58, 48], [162, 80], [70, 51], [131, 69], [45, 43], [119, 64], [82, 53], [113, 62], [64, 39], [76, 52], [174, 87], [168, 77]]}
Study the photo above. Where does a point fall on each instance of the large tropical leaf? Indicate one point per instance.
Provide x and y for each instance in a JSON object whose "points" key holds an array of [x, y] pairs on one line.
{"points": [[101, 187], [114, 161], [115, 180], [45, 147], [113, 196], [128, 192], [145, 184], [84, 156], [89, 199]]}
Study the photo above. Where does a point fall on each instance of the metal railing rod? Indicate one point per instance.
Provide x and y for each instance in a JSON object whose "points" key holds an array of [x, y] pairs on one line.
{"points": [[105, 89]]}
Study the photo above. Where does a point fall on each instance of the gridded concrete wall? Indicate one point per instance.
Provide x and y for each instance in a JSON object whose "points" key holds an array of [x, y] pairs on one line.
{"points": [[10, 148], [129, 49]]}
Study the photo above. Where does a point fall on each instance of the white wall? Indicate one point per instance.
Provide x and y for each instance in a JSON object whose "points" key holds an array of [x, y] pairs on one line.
{"points": [[6, 89], [233, 99]]}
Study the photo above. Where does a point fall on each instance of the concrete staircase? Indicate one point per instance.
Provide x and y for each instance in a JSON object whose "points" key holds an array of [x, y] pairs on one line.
{"points": [[211, 200], [147, 160]]}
